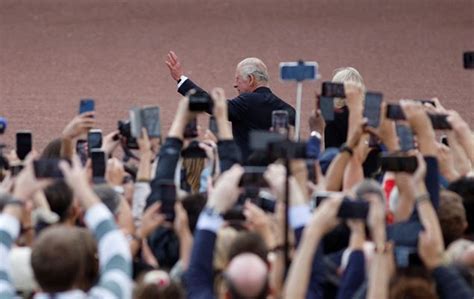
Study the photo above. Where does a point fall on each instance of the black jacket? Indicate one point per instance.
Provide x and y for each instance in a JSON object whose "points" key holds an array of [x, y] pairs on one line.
{"points": [[249, 111]]}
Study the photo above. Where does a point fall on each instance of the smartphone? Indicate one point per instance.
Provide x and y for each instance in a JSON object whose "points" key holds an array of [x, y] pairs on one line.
{"points": [[395, 112], [440, 121], [320, 196], [373, 102], [16, 169], [468, 59], [298, 70], [280, 123], [213, 125], [405, 137], [253, 176], [260, 139], [150, 117], [86, 105], [47, 168], [193, 151], [353, 209], [326, 105], [399, 163], [24, 144], [94, 139], [81, 150], [99, 160], [407, 257], [191, 130], [333, 90], [167, 196]]}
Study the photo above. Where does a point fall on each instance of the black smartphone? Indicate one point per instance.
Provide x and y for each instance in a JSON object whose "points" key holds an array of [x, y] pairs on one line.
{"points": [[167, 196], [405, 137], [399, 163], [318, 197], [200, 101], [94, 139], [47, 168], [395, 112], [191, 130], [333, 90], [253, 176], [86, 105], [24, 144], [373, 102], [440, 121], [468, 59], [213, 125], [260, 140], [280, 123], [193, 151], [326, 105], [99, 160], [353, 209]]}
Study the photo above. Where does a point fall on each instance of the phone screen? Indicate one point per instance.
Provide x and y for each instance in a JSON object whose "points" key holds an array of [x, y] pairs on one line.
{"points": [[373, 101], [399, 164], [47, 168], [151, 121], [86, 105], [357, 209], [395, 112], [98, 163], [213, 125], [24, 144], [405, 137], [280, 122], [332, 89], [191, 131], [326, 104], [253, 176], [440, 121], [94, 140]]}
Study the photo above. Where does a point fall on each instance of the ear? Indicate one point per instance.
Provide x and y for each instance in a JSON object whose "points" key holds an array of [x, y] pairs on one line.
{"points": [[252, 81]]}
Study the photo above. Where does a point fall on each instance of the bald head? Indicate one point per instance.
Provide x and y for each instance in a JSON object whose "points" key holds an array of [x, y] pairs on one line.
{"points": [[250, 74], [247, 274]]}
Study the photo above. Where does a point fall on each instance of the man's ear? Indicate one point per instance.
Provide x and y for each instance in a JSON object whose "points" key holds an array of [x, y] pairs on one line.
{"points": [[252, 81]]}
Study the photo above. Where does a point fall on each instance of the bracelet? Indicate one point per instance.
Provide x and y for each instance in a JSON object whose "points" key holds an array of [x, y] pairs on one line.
{"points": [[421, 198], [16, 202], [345, 148]]}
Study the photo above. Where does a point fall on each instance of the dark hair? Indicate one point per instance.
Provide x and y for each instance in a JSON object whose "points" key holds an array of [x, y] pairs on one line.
{"points": [[89, 273], [52, 150], [56, 258], [193, 204], [60, 198], [150, 290], [452, 216], [248, 242], [465, 188], [414, 282]]}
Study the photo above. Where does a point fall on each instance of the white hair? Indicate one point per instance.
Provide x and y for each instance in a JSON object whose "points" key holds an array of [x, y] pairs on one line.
{"points": [[346, 74], [253, 67]]}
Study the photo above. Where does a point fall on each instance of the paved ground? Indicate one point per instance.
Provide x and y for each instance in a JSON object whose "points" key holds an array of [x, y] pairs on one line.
{"points": [[53, 52]]}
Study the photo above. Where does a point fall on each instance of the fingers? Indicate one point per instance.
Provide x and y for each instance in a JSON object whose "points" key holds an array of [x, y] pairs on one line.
{"points": [[218, 94], [154, 208]]}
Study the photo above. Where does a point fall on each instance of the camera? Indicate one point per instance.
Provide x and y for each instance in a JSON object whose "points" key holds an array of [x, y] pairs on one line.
{"points": [[200, 101], [125, 132]]}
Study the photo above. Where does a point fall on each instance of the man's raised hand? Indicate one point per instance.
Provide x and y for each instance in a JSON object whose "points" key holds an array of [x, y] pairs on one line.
{"points": [[173, 64]]}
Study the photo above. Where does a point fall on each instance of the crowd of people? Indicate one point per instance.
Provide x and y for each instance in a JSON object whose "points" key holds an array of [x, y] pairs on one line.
{"points": [[328, 223]]}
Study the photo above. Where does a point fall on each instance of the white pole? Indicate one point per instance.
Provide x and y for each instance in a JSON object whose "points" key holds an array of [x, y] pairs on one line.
{"points": [[299, 95]]}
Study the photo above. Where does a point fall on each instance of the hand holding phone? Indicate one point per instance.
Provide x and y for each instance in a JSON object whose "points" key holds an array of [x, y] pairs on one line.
{"points": [[397, 163], [372, 105], [94, 139], [333, 90], [86, 105], [24, 144], [99, 161], [405, 137], [326, 105]]}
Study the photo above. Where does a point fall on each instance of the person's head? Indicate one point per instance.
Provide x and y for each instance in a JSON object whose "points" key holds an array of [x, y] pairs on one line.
{"points": [[452, 216], [249, 242], [193, 168], [369, 187], [415, 283], [246, 276], [157, 284], [52, 150], [109, 197], [61, 201], [346, 74], [90, 261], [193, 204], [250, 74], [465, 188], [56, 257]]}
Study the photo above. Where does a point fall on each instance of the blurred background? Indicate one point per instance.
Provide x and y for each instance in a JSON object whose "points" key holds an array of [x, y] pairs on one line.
{"points": [[55, 52]]}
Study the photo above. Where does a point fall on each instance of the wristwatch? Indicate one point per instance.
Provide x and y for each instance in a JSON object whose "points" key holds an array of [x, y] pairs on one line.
{"points": [[345, 148], [316, 134], [211, 212]]}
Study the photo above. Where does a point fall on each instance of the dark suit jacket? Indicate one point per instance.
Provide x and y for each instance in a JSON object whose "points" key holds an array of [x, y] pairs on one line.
{"points": [[249, 111]]}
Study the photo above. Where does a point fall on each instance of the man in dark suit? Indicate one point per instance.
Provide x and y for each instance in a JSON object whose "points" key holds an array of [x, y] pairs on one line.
{"points": [[252, 108]]}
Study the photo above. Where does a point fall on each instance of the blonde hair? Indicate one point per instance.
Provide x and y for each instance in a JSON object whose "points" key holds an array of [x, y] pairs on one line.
{"points": [[193, 169], [346, 74]]}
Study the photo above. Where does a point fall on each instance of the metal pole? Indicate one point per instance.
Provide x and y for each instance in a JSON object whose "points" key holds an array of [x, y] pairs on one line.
{"points": [[299, 95]]}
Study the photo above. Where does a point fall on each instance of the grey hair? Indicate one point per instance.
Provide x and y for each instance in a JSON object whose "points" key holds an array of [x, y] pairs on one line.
{"points": [[346, 74], [370, 186], [253, 67], [108, 196]]}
